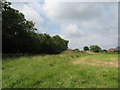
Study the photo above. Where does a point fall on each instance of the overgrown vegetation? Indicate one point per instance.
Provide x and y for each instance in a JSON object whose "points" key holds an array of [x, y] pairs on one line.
{"points": [[61, 71], [23, 68], [19, 35], [85, 48], [94, 48]]}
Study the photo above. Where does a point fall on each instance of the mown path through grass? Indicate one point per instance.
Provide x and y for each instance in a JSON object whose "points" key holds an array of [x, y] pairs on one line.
{"points": [[61, 71]]}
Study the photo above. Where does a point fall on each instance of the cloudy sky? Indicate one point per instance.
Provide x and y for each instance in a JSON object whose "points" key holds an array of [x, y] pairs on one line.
{"points": [[82, 23]]}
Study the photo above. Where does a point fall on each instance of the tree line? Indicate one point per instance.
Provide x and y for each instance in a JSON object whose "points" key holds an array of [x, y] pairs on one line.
{"points": [[94, 48], [18, 35]]}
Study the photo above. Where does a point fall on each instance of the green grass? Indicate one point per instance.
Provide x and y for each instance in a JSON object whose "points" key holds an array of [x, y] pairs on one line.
{"points": [[61, 71]]}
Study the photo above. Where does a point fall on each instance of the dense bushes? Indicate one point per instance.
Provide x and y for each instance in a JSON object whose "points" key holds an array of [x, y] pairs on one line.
{"points": [[85, 48], [18, 35], [95, 48]]}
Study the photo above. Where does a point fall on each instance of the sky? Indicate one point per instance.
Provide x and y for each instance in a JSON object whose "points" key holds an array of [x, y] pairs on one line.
{"points": [[82, 23]]}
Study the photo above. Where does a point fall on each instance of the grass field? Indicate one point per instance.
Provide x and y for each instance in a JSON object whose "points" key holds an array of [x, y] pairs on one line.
{"points": [[61, 71]]}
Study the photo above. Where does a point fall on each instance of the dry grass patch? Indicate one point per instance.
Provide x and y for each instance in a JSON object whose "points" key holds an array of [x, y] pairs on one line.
{"points": [[97, 60]]}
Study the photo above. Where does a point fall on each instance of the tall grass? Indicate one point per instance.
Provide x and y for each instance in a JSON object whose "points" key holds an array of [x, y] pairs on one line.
{"points": [[59, 71]]}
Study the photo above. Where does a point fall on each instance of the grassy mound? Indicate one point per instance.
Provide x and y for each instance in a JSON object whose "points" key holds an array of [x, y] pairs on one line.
{"points": [[71, 52]]}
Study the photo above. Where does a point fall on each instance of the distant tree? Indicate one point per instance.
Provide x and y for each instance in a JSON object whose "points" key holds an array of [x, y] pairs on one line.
{"points": [[95, 48], [104, 50], [76, 50], [85, 48]]}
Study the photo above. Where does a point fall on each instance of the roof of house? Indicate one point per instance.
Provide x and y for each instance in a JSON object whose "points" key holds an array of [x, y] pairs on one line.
{"points": [[111, 49]]}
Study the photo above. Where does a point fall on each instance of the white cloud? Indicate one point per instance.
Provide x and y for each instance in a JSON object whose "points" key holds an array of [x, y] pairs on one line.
{"points": [[70, 29], [92, 23], [31, 12], [65, 11], [64, 0], [80, 23]]}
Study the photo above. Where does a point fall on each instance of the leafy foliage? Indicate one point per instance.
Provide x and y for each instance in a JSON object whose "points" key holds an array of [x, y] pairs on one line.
{"points": [[19, 35], [95, 48], [85, 48], [76, 50]]}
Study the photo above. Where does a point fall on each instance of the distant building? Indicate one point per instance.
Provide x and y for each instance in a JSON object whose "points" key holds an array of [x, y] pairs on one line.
{"points": [[112, 50]]}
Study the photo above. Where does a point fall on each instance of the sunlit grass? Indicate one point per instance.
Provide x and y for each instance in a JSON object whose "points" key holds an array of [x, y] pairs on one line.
{"points": [[60, 71]]}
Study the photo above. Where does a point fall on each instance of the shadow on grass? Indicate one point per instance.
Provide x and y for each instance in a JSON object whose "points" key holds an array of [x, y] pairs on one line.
{"points": [[18, 55]]}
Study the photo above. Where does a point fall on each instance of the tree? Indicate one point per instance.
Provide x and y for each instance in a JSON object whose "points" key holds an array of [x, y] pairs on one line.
{"points": [[76, 50], [95, 48], [18, 35], [59, 44], [16, 30], [104, 50], [85, 48]]}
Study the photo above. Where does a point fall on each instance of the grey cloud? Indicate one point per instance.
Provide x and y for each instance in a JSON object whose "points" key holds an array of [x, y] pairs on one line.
{"points": [[81, 23], [67, 11]]}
